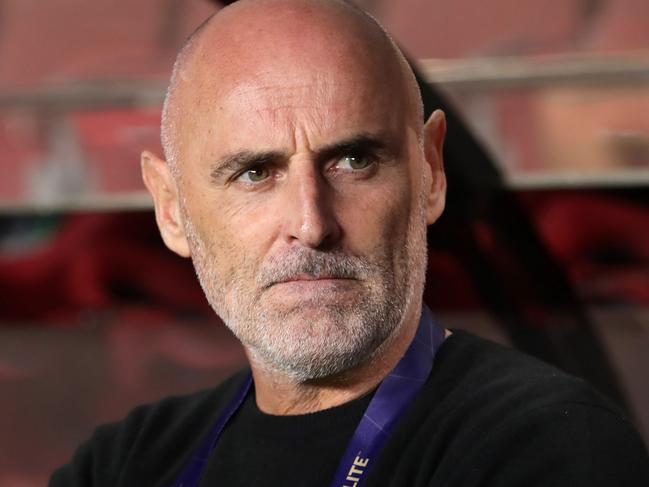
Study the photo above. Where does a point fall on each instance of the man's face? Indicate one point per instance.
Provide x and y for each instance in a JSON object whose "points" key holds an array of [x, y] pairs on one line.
{"points": [[304, 207]]}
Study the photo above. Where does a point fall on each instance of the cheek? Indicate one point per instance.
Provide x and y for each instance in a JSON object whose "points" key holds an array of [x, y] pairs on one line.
{"points": [[376, 218], [233, 234]]}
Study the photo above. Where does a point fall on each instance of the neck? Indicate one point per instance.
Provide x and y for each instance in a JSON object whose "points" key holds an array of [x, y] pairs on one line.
{"points": [[278, 394]]}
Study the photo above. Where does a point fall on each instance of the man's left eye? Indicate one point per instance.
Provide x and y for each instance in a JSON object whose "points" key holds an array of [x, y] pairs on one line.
{"points": [[354, 162], [254, 175]]}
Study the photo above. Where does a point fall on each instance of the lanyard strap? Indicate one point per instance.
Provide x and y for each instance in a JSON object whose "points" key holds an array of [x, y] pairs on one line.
{"points": [[191, 475], [393, 396]]}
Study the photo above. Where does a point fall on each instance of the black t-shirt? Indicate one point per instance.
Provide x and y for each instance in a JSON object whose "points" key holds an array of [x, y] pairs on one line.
{"points": [[283, 448], [487, 416]]}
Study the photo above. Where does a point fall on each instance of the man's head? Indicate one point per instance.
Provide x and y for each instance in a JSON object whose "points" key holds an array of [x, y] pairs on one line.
{"points": [[300, 179]]}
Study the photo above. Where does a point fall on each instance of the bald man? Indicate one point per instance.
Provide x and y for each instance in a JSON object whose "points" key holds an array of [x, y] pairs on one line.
{"points": [[300, 179]]}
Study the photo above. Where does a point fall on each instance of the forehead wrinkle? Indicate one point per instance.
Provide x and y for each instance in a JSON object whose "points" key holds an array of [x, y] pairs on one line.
{"points": [[303, 103], [315, 120], [273, 89]]}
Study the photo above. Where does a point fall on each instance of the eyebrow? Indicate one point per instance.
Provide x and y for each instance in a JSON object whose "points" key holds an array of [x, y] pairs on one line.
{"points": [[241, 160], [363, 142]]}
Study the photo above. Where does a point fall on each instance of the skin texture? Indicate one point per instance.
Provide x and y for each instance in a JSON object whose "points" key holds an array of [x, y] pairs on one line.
{"points": [[300, 180]]}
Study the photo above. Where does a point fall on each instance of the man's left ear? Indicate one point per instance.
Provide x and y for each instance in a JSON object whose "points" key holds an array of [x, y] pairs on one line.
{"points": [[434, 133]]}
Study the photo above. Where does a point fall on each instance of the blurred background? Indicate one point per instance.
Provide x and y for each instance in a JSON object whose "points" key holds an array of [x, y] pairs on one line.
{"points": [[544, 247]]}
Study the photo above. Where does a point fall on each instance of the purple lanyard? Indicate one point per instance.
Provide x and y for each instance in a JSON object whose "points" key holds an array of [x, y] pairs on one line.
{"points": [[390, 400]]}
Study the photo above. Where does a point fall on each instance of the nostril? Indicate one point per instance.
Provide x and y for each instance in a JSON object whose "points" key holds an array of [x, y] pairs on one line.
{"points": [[318, 227]]}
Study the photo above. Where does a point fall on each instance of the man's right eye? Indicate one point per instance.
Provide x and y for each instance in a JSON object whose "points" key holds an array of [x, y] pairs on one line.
{"points": [[254, 175]]}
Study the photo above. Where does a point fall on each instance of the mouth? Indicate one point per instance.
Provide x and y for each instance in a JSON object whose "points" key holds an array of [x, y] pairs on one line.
{"points": [[311, 280], [310, 277]]}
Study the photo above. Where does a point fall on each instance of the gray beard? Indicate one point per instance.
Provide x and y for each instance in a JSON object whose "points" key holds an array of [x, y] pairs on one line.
{"points": [[335, 337]]}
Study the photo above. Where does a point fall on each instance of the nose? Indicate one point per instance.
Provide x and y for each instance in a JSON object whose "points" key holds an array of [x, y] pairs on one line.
{"points": [[311, 218]]}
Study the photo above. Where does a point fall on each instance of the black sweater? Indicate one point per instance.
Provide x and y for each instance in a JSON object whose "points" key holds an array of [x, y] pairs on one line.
{"points": [[487, 416]]}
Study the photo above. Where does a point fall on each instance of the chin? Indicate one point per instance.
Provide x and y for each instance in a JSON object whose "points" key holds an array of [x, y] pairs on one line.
{"points": [[314, 343]]}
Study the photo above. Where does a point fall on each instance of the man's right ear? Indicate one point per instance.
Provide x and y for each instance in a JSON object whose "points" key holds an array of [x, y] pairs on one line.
{"points": [[166, 200]]}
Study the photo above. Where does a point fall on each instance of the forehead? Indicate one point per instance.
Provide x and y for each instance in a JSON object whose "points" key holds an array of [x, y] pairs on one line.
{"points": [[320, 103], [269, 106]]}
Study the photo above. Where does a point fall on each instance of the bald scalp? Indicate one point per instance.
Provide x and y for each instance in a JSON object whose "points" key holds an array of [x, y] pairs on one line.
{"points": [[248, 31]]}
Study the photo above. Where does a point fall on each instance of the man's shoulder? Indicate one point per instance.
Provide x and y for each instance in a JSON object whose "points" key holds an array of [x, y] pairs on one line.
{"points": [[180, 413], [488, 409], [481, 386], [481, 369], [152, 440]]}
